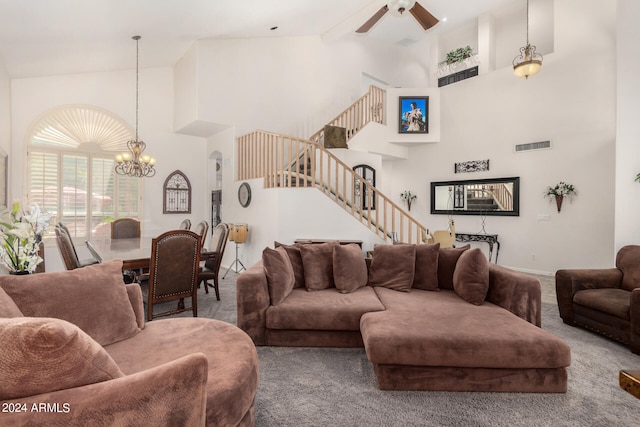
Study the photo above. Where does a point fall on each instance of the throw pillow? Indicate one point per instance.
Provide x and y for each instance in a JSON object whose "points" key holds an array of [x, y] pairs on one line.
{"points": [[296, 262], [471, 276], [93, 298], [393, 266], [317, 261], [42, 355], [279, 272], [8, 308], [447, 259], [349, 268], [426, 274]]}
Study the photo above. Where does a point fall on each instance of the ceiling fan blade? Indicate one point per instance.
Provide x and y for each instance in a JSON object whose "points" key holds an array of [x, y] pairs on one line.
{"points": [[422, 15], [372, 21]]}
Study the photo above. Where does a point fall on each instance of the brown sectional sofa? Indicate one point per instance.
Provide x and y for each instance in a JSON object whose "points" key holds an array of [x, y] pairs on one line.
{"points": [[76, 342], [416, 339]]}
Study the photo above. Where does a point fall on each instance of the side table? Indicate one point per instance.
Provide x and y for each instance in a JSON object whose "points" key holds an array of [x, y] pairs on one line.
{"points": [[630, 381], [489, 239]]}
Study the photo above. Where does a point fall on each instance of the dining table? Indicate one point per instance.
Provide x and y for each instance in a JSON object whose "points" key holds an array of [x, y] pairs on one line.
{"points": [[134, 252]]}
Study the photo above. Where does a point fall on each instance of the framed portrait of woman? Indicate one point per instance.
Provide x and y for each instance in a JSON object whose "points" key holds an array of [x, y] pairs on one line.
{"points": [[414, 114]]}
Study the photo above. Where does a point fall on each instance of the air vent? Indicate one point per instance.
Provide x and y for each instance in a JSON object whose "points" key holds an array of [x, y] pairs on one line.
{"points": [[407, 41], [533, 146]]}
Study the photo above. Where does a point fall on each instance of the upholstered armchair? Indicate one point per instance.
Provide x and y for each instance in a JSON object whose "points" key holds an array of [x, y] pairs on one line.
{"points": [[606, 301]]}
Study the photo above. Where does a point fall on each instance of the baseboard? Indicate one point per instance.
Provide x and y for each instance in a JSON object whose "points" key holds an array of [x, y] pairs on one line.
{"points": [[538, 272]]}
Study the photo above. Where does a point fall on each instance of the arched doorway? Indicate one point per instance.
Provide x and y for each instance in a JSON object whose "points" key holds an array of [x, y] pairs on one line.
{"points": [[215, 186]]}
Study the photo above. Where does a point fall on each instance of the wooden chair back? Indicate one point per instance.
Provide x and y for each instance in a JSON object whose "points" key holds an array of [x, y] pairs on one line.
{"points": [[173, 274], [66, 248], [125, 228], [202, 229], [185, 225]]}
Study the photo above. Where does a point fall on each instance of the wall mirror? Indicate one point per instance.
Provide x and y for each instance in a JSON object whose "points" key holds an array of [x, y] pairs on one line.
{"points": [[497, 196]]}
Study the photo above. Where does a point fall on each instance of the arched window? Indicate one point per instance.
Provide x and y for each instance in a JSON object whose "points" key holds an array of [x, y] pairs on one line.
{"points": [[366, 196], [71, 169]]}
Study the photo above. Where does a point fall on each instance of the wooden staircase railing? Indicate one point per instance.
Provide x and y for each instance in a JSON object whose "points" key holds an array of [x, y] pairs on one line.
{"points": [[368, 108], [286, 161]]}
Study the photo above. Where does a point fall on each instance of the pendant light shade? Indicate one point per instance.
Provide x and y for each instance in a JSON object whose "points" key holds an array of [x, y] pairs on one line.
{"points": [[528, 62]]}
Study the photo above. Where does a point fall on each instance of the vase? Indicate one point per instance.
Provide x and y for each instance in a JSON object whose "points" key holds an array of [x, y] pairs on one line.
{"points": [[19, 273], [559, 198]]}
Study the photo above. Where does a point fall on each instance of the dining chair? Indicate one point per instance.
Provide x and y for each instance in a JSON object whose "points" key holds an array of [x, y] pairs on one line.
{"points": [[173, 274], [211, 269], [201, 229], [125, 228], [40, 268], [68, 250], [185, 225]]}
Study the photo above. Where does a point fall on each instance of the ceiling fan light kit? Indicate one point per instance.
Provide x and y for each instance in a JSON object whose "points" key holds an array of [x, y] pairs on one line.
{"points": [[528, 62], [398, 7]]}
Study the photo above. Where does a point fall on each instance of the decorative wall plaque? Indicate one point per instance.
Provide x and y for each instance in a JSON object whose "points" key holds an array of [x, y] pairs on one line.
{"points": [[472, 166], [177, 194]]}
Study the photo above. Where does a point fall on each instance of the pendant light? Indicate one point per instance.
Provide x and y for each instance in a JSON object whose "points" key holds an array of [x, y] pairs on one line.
{"points": [[528, 62], [134, 162]]}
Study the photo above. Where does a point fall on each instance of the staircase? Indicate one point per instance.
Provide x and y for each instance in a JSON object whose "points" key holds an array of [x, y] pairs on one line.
{"points": [[287, 162]]}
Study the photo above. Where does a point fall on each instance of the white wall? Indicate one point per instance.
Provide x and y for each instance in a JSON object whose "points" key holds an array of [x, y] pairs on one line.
{"points": [[570, 102], [5, 114], [628, 126], [115, 91]]}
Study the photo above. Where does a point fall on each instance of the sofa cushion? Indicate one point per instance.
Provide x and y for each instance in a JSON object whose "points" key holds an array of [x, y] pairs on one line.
{"points": [[440, 329], [279, 272], [426, 274], [612, 301], [471, 276], [42, 355], [95, 299], [349, 268], [447, 259], [296, 262], [8, 308], [317, 261], [327, 309], [393, 266]]}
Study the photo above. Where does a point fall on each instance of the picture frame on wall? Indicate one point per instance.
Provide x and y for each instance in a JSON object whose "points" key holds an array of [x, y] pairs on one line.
{"points": [[413, 114]]}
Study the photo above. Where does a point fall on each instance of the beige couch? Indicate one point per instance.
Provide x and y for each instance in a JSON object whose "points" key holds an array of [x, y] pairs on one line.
{"points": [[76, 352], [428, 318]]}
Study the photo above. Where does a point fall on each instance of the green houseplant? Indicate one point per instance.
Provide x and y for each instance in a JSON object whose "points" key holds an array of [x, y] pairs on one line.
{"points": [[458, 55], [559, 191]]}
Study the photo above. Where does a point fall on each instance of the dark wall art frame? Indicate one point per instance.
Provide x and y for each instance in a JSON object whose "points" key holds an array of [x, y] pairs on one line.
{"points": [[413, 114]]}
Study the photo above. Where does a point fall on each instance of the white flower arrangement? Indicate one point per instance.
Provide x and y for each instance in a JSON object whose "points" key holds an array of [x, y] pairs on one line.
{"points": [[20, 237]]}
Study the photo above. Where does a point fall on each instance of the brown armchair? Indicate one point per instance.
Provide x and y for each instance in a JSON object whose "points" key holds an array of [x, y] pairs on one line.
{"points": [[173, 273], [211, 269], [606, 301]]}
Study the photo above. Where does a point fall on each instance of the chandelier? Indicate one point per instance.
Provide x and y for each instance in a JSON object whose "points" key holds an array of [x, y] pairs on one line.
{"points": [[134, 162], [528, 62]]}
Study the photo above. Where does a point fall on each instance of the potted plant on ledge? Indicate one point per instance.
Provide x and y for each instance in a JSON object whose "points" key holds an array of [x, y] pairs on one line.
{"points": [[560, 190]]}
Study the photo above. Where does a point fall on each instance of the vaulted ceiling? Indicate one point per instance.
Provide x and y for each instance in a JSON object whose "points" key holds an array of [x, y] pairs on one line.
{"points": [[45, 37]]}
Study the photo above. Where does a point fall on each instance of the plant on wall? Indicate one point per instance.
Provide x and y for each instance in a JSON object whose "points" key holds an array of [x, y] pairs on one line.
{"points": [[637, 178], [559, 192], [458, 55], [408, 198]]}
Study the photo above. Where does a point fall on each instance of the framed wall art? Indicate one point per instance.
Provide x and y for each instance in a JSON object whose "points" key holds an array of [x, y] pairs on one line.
{"points": [[176, 194], [413, 114]]}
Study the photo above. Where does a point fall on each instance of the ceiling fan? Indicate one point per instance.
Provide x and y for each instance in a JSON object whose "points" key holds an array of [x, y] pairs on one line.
{"points": [[398, 7]]}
